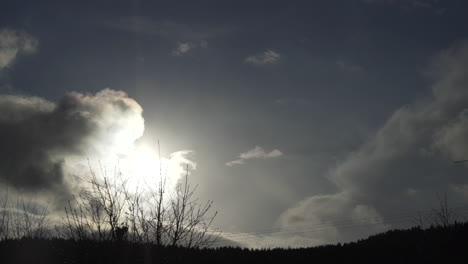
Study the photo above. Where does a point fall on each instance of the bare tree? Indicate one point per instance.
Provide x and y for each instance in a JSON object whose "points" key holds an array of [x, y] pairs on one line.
{"points": [[97, 212], [421, 219], [27, 218], [158, 212], [188, 221], [33, 218], [107, 210], [158, 215], [146, 211], [444, 215], [4, 217], [84, 220]]}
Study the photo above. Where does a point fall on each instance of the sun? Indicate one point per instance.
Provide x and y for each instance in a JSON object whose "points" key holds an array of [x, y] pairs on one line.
{"points": [[144, 162], [145, 167]]}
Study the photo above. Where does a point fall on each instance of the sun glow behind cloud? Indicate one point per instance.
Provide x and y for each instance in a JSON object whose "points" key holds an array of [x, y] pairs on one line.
{"points": [[79, 135], [144, 168]]}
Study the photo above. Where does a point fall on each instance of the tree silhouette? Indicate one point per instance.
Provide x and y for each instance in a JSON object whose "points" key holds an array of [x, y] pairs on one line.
{"points": [[106, 210], [97, 212], [443, 215], [189, 221], [23, 218]]}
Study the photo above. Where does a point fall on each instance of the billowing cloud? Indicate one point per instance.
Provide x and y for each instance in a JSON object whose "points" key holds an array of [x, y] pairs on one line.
{"points": [[403, 167], [452, 139], [292, 230], [255, 153], [41, 139], [13, 43], [267, 57]]}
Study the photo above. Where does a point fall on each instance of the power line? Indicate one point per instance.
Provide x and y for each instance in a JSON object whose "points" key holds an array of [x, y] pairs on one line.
{"points": [[339, 221], [317, 230], [353, 223]]}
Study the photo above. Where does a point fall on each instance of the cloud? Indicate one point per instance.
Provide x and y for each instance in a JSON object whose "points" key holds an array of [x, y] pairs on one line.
{"points": [[403, 166], [266, 57], [184, 47], [332, 218], [42, 140], [292, 230], [349, 67], [452, 139], [235, 162], [13, 43], [255, 153]]}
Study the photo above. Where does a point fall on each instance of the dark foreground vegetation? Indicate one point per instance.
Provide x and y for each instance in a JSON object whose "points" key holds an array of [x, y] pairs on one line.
{"points": [[432, 245]]}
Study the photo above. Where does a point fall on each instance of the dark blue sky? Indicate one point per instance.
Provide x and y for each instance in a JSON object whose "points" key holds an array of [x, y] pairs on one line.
{"points": [[343, 70]]}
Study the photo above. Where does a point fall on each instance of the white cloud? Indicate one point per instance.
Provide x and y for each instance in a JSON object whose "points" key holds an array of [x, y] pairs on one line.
{"points": [[259, 153], [255, 153], [13, 43], [267, 57], [184, 47], [235, 162]]}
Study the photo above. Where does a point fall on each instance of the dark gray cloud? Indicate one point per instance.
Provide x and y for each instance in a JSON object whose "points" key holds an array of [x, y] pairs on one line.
{"points": [[40, 139], [404, 166]]}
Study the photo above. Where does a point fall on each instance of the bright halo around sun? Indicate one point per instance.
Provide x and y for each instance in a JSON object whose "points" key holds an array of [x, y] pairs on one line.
{"points": [[145, 168]]}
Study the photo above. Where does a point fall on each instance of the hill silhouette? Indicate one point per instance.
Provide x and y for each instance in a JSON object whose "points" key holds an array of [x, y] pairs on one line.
{"points": [[436, 244]]}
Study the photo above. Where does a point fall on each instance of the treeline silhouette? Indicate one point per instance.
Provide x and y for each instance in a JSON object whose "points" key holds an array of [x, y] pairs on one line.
{"points": [[436, 244], [108, 222]]}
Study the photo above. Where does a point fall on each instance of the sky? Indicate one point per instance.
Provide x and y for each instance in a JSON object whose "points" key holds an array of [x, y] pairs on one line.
{"points": [[325, 120]]}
